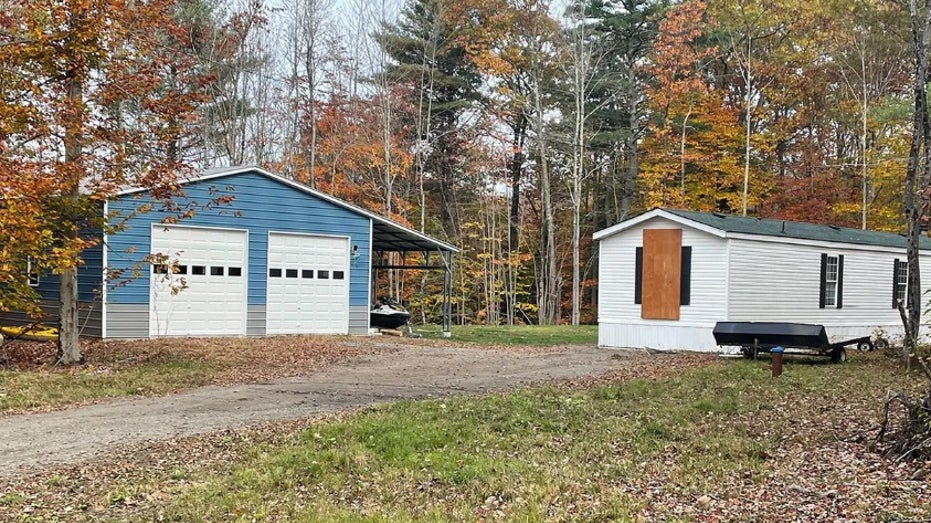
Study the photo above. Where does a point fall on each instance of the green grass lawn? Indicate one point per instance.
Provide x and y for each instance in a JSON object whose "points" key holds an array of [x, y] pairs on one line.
{"points": [[517, 335], [611, 452]]}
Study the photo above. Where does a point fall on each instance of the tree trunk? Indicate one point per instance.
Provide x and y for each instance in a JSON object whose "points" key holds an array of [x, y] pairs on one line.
{"points": [[685, 123], [69, 347], [576, 258], [517, 165], [548, 289], [864, 121], [310, 69], [918, 162], [749, 81], [622, 211], [630, 181]]}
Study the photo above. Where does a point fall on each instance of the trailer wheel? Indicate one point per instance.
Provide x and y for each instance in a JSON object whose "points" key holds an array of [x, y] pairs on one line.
{"points": [[748, 353], [864, 346], [839, 355]]}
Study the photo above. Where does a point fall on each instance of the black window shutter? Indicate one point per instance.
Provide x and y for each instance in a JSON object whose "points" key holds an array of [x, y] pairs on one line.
{"points": [[840, 281], [638, 275], [895, 283], [824, 268], [685, 277]]}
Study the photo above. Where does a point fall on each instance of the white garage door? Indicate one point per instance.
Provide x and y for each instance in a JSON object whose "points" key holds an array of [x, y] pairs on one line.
{"points": [[205, 293], [308, 284]]}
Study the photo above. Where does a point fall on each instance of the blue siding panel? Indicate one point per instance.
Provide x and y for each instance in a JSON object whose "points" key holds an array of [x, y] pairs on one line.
{"points": [[90, 276], [90, 281], [260, 205]]}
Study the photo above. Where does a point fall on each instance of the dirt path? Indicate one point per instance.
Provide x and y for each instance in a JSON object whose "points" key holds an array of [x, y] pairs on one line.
{"points": [[34, 441]]}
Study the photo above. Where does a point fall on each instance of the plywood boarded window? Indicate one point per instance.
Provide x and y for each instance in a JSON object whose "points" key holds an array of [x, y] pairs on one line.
{"points": [[685, 281], [662, 266]]}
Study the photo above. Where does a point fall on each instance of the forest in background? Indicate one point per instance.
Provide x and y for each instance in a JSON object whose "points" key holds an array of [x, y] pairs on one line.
{"points": [[510, 128]]}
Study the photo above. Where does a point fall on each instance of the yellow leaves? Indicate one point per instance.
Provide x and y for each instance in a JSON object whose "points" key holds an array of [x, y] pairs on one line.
{"points": [[70, 70]]}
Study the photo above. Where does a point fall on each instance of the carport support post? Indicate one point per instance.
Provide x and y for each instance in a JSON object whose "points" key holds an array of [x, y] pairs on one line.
{"points": [[447, 293]]}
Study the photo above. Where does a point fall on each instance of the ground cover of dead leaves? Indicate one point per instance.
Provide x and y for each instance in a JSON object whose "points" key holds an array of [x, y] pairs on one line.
{"points": [[250, 358], [822, 469], [231, 360], [244, 359]]}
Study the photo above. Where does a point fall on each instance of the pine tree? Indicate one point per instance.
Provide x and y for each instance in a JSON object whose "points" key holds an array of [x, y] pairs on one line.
{"points": [[428, 57]]}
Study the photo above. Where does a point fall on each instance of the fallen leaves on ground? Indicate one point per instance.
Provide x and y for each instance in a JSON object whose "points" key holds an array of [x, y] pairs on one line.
{"points": [[820, 469], [233, 360], [121, 483]]}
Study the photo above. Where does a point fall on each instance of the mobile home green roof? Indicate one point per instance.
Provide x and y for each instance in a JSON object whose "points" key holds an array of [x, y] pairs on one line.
{"points": [[799, 230]]}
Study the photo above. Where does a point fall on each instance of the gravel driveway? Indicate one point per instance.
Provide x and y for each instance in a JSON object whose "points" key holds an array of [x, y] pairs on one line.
{"points": [[34, 441]]}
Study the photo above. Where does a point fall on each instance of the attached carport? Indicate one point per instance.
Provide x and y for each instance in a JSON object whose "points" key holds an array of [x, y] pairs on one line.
{"points": [[389, 237]]}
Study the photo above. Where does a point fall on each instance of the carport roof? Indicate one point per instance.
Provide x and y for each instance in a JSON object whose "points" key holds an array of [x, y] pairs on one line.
{"points": [[387, 236]]}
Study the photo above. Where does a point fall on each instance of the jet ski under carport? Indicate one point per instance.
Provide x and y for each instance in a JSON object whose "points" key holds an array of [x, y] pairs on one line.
{"points": [[388, 314]]}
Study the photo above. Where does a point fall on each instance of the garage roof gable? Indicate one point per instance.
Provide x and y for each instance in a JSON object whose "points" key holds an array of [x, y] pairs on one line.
{"points": [[387, 236]]}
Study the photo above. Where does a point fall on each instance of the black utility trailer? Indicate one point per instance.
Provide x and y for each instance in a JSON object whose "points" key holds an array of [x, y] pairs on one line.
{"points": [[800, 338]]}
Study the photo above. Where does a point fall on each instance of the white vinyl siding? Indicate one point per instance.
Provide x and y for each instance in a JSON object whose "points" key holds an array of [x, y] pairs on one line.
{"points": [[772, 281], [752, 278], [620, 324]]}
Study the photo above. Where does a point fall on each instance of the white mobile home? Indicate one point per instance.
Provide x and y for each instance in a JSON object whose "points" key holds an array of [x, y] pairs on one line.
{"points": [[667, 276]]}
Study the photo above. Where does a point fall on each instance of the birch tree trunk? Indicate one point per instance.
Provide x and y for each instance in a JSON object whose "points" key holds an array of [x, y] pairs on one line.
{"points": [[581, 63], [864, 107]]}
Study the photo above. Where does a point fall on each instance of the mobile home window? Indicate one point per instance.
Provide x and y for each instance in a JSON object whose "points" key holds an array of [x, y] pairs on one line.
{"points": [[832, 281], [32, 273], [899, 282]]}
